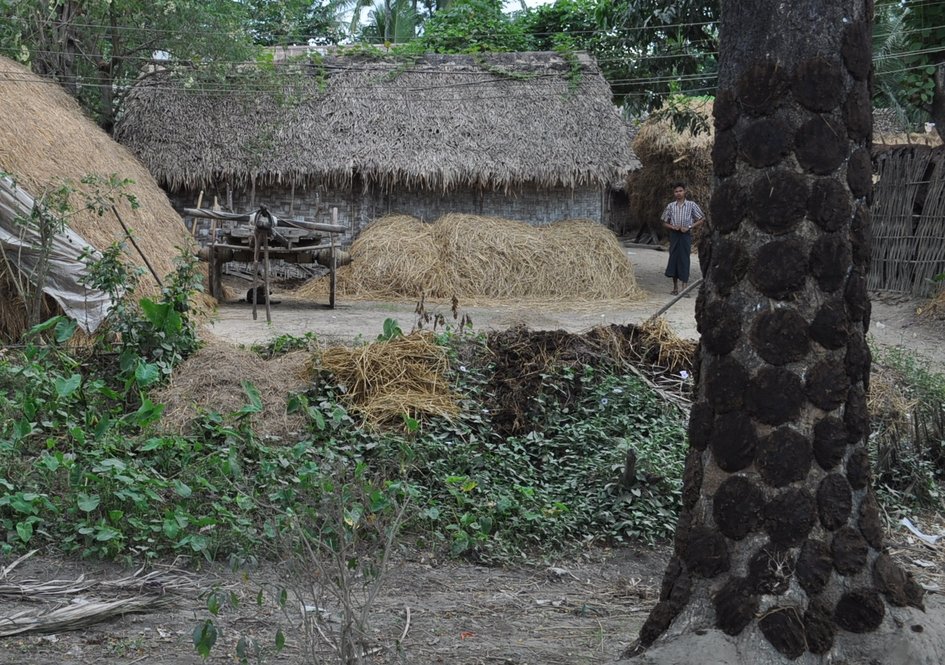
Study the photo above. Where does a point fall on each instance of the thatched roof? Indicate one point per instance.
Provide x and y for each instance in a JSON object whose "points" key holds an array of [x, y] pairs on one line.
{"points": [[45, 140], [438, 122]]}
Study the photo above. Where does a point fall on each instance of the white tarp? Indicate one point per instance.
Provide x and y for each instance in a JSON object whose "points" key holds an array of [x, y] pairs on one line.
{"points": [[21, 247]]}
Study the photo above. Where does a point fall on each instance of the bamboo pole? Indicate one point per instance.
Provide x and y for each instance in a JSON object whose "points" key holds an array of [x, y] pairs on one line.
{"points": [[135, 245]]}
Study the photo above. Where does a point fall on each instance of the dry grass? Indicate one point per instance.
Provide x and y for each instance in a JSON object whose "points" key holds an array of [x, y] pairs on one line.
{"points": [[211, 380], [384, 381], [935, 308], [46, 140], [669, 156], [658, 141], [887, 401], [472, 257], [671, 349]]}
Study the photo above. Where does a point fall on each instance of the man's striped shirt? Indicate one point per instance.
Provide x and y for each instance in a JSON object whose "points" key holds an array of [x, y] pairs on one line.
{"points": [[683, 216]]}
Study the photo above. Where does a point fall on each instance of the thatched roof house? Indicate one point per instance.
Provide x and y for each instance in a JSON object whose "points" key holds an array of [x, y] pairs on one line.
{"points": [[529, 136], [46, 142]]}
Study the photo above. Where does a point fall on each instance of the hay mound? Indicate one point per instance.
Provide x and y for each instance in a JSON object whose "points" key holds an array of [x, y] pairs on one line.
{"points": [[397, 253], [46, 140], [468, 256], [211, 380], [384, 381], [668, 156], [935, 308]]}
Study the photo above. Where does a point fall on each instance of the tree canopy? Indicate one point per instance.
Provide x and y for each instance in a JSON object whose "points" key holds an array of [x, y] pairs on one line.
{"points": [[648, 50]]}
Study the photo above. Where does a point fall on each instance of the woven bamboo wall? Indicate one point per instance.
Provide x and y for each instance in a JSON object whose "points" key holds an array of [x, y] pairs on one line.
{"points": [[908, 220]]}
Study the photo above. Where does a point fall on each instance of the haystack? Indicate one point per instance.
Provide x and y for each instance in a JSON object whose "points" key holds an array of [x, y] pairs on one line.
{"points": [[472, 257], [669, 156], [45, 142], [385, 381], [212, 379]]}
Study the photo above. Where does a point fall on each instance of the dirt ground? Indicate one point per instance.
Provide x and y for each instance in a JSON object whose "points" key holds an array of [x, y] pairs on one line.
{"points": [[894, 320], [578, 611], [585, 609]]}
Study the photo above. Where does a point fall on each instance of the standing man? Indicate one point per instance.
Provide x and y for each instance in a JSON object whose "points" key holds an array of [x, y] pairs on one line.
{"points": [[680, 217]]}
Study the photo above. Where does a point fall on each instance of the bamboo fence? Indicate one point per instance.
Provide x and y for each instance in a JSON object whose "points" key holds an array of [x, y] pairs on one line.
{"points": [[908, 221]]}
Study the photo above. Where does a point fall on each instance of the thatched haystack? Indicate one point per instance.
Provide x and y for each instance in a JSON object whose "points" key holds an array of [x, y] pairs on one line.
{"points": [[470, 257], [212, 379], [391, 258], [45, 141], [387, 380], [669, 156]]}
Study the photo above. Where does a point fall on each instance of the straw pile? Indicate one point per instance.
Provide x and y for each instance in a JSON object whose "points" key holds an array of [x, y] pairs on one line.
{"points": [[888, 403], [384, 381], [211, 380], [669, 156], [665, 347], [468, 256], [45, 140], [935, 308]]}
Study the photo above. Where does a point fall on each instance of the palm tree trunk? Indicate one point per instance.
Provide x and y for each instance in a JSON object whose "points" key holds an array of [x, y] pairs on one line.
{"points": [[778, 551]]}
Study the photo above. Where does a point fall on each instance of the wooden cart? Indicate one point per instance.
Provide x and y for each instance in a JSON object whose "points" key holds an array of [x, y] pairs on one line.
{"points": [[258, 236]]}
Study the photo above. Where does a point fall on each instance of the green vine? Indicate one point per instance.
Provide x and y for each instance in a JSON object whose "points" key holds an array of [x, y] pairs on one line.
{"points": [[567, 49], [480, 60]]}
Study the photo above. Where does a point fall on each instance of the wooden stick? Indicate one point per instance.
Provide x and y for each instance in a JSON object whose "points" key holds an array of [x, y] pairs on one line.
{"points": [[672, 302], [332, 280], [140, 253], [255, 269], [215, 288], [193, 220], [406, 626], [266, 276]]}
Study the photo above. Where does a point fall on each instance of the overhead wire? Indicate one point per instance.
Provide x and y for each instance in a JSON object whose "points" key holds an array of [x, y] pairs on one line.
{"points": [[656, 27], [636, 60]]}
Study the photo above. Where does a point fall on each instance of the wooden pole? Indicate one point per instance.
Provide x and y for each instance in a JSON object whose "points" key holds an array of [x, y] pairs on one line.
{"points": [[214, 286], [193, 221], [332, 280], [255, 270], [674, 300], [266, 276], [135, 244]]}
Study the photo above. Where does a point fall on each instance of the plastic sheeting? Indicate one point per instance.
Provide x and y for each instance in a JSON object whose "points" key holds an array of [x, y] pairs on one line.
{"points": [[21, 247]]}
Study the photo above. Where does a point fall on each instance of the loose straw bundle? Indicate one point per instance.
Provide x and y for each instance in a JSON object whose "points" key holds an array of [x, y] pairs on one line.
{"points": [[212, 380], [672, 351], [469, 256], [384, 381]]}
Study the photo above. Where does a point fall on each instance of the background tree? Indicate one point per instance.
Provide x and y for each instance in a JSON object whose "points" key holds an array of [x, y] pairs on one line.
{"points": [[472, 26], [645, 49], [286, 22], [392, 22], [97, 48], [779, 547], [909, 47]]}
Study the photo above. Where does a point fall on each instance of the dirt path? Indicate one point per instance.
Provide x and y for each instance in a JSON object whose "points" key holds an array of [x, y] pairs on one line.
{"points": [[579, 611], [582, 610], [894, 322]]}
